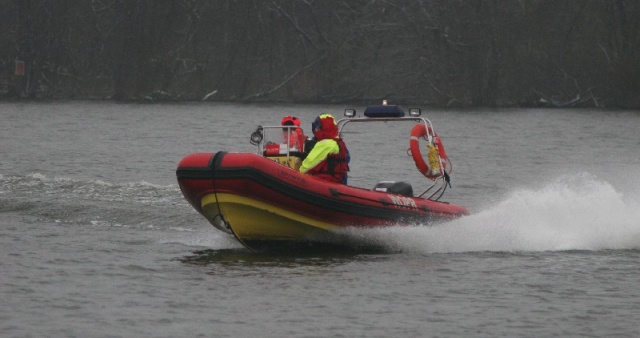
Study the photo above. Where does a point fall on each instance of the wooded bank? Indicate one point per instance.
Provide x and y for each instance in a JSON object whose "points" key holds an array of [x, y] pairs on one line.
{"points": [[468, 53]]}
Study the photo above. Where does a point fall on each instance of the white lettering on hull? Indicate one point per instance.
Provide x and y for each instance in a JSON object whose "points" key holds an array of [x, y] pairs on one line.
{"points": [[403, 201]]}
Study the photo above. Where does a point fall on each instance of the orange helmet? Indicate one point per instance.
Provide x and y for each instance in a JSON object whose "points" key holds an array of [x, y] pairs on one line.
{"points": [[290, 121]]}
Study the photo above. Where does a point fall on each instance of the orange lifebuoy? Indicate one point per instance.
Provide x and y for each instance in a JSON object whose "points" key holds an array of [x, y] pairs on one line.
{"points": [[420, 131]]}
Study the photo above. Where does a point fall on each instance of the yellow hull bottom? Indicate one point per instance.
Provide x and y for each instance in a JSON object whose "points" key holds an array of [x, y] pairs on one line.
{"points": [[252, 220]]}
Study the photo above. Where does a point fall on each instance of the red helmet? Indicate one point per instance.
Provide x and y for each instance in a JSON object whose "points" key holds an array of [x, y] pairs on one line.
{"points": [[290, 121], [324, 126]]}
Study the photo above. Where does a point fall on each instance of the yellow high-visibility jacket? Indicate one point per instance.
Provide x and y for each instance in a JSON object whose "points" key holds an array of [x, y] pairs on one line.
{"points": [[319, 153]]}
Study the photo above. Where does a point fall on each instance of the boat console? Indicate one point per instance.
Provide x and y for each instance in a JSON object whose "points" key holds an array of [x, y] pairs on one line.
{"points": [[288, 156], [282, 151]]}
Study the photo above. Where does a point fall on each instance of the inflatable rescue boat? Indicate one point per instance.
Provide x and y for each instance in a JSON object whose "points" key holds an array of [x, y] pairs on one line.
{"points": [[266, 203]]}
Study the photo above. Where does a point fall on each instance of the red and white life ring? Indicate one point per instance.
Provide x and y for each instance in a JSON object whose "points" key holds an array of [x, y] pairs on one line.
{"points": [[420, 131]]}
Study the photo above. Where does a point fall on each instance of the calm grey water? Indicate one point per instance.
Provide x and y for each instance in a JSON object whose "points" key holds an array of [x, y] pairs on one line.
{"points": [[97, 241]]}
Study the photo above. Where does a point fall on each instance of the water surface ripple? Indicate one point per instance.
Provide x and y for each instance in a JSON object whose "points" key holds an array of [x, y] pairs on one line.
{"points": [[97, 240]]}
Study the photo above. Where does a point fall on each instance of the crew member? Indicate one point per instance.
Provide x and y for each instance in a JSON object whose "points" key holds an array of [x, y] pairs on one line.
{"points": [[328, 159], [294, 135]]}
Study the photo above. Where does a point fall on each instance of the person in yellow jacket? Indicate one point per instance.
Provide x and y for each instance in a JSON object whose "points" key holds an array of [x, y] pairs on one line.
{"points": [[329, 157]]}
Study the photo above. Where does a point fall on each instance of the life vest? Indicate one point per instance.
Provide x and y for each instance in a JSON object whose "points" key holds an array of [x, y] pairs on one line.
{"points": [[295, 136], [436, 154], [335, 167]]}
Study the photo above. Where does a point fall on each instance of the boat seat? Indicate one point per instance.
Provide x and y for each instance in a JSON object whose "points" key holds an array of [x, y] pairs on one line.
{"points": [[393, 187]]}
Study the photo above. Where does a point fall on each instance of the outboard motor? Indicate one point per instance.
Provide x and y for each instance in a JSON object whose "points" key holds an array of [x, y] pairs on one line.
{"points": [[393, 187]]}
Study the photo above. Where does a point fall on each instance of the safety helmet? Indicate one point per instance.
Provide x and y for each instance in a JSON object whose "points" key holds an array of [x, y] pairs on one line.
{"points": [[324, 126], [290, 121]]}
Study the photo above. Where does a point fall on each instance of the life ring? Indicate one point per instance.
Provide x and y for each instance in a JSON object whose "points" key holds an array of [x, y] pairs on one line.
{"points": [[420, 131]]}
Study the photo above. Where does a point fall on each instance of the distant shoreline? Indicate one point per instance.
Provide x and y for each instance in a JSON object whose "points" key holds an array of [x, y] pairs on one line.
{"points": [[405, 103]]}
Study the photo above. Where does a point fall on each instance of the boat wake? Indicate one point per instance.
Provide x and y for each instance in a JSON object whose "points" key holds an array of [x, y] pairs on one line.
{"points": [[571, 213], [94, 203]]}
